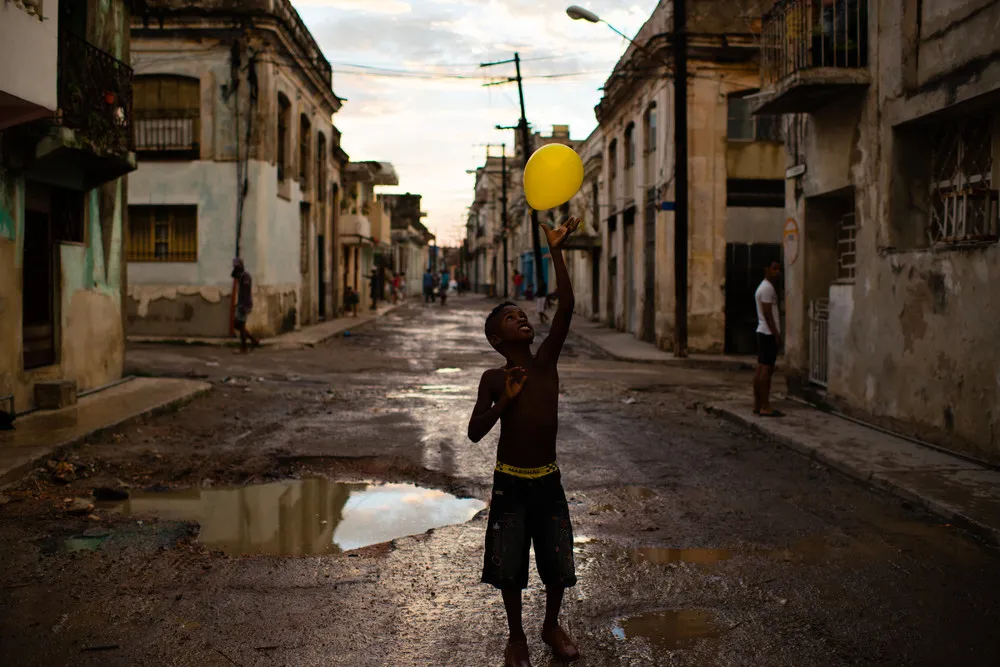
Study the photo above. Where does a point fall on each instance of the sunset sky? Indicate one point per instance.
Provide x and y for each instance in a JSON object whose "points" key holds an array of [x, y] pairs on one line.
{"points": [[431, 115]]}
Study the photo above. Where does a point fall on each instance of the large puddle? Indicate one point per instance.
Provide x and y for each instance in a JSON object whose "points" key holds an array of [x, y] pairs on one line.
{"points": [[305, 517], [669, 630]]}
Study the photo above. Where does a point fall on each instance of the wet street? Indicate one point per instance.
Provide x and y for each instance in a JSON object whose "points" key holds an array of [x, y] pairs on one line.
{"points": [[323, 506]]}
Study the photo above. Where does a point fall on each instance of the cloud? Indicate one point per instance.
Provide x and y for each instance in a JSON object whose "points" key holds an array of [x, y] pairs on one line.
{"points": [[432, 129]]}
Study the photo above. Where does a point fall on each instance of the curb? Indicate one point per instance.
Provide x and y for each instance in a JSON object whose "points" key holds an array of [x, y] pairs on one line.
{"points": [[951, 514], [16, 473], [695, 364]]}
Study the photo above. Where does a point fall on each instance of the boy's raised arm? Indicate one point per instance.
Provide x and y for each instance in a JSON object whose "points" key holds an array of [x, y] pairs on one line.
{"points": [[552, 346]]}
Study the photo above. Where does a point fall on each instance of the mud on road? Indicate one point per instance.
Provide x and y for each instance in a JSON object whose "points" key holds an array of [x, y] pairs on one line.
{"points": [[696, 543]]}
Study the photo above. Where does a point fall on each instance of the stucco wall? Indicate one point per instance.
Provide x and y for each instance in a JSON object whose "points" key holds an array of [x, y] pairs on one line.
{"points": [[912, 339], [32, 79]]}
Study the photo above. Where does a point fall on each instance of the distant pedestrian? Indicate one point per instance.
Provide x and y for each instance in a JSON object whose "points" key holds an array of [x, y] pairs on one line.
{"points": [[518, 284], [402, 285], [244, 304], [529, 293], [395, 288], [428, 286], [541, 303], [768, 341], [351, 300], [445, 285]]}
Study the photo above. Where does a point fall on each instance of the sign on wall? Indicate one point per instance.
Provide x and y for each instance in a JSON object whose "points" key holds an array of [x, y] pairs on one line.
{"points": [[790, 241]]}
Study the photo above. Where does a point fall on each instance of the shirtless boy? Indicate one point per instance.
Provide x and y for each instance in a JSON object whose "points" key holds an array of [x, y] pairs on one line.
{"points": [[528, 503]]}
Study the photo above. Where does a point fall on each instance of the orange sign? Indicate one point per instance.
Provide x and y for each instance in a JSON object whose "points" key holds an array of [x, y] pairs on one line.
{"points": [[790, 241]]}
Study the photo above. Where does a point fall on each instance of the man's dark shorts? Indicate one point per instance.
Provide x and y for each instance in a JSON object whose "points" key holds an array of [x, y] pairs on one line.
{"points": [[522, 512], [767, 349]]}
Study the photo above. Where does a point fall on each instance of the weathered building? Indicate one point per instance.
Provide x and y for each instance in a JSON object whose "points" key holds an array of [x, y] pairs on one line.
{"points": [[238, 155], [366, 223], [410, 239], [66, 142], [891, 260], [583, 249], [735, 170]]}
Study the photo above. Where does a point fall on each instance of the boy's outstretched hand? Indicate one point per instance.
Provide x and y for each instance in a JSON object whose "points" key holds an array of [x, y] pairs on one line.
{"points": [[556, 235], [513, 381]]}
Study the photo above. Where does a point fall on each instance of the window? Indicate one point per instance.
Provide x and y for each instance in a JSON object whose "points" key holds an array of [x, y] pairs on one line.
{"points": [[305, 141], [320, 166], [650, 128], [167, 111], [284, 118], [963, 197], [163, 233], [847, 258], [612, 173], [630, 146], [742, 125]]}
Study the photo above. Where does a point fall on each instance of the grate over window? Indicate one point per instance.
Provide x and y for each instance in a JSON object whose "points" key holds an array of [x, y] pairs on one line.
{"points": [[163, 234], [847, 257], [963, 196]]}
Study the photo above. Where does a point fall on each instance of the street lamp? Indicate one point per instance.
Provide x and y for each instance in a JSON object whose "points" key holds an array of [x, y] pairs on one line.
{"points": [[578, 13]]}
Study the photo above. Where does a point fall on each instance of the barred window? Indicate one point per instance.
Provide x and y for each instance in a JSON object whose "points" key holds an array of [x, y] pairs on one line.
{"points": [[847, 257], [163, 233], [167, 111], [284, 120], [743, 125], [963, 196]]}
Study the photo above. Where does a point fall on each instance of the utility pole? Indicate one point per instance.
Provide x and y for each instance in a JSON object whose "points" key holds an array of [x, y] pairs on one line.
{"points": [[681, 186], [503, 200], [540, 287]]}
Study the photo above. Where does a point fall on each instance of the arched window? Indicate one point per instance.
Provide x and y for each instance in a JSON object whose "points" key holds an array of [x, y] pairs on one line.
{"points": [[321, 166], [305, 142], [630, 146], [284, 120], [613, 173], [649, 131], [167, 112]]}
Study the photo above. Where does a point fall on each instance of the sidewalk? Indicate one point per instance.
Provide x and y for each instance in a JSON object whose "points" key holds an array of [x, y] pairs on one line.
{"points": [[963, 493], [40, 435], [308, 336], [626, 347]]}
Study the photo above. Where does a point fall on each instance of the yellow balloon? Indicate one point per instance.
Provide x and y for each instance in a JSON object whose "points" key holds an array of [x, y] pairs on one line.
{"points": [[554, 174]]}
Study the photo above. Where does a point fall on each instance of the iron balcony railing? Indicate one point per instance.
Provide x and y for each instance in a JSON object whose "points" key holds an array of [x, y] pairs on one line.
{"points": [[167, 131], [95, 95], [804, 34]]}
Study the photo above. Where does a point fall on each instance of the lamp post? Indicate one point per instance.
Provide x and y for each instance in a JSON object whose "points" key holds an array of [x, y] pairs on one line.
{"points": [[578, 13]]}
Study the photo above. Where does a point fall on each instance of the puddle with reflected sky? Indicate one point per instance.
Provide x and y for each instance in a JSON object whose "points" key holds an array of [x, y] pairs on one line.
{"points": [[305, 517], [668, 630]]}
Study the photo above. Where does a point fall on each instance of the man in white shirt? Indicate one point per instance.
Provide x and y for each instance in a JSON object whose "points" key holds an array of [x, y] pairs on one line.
{"points": [[768, 341]]}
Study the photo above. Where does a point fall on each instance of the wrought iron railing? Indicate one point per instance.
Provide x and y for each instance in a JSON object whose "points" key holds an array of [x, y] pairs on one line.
{"points": [[95, 95], [804, 34], [167, 130], [819, 323]]}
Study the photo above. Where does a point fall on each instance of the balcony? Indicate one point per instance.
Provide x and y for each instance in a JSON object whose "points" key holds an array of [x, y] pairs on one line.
{"points": [[812, 51], [167, 133], [27, 84], [90, 142], [355, 228]]}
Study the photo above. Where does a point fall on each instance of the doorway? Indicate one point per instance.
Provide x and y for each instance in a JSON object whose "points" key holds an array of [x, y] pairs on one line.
{"points": [[595, 282], [745, 264], [629, 324], [321, 274], [649, 273], [38, 294]]}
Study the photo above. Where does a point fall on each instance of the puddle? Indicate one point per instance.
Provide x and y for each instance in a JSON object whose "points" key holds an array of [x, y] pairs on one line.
{"points": [[443, 388], [448, 371], [668, 630], [84, 542], [662, 556], [306, 517]]}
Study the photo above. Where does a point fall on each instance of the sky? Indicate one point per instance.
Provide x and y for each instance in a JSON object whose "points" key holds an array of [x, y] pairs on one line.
{"points": [[431, 117]]}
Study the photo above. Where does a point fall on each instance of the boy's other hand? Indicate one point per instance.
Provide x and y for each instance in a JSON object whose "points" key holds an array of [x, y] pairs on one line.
{"points": [[557, 235], [514, 381]]}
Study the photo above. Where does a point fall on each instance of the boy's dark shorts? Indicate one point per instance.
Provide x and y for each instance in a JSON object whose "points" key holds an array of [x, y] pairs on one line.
{"points": [[767, 349], [522, 512]]}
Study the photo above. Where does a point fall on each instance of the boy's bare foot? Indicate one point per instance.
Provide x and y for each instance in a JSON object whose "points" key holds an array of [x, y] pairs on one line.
{"points": [[516, 654], [561, 644]]}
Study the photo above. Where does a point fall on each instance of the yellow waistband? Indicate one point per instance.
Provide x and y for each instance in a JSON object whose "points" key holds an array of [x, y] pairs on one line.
{"points": [[527, 473]]}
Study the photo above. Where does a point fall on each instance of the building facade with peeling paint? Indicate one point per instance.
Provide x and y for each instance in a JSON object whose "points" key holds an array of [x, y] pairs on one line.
{"points": [[238, 156], [410, 239], [366, 227], [735, 171], [892, 262], [66, 144]]}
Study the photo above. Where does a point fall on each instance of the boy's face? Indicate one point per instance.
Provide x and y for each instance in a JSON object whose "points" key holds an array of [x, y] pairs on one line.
{"points": [[511, 326]]}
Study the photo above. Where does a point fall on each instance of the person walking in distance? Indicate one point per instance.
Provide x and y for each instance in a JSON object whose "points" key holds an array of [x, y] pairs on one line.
{"points": [[445, 285], [244, 304], [518, 284], [428, 286], [528, 504], [768, 341]]}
